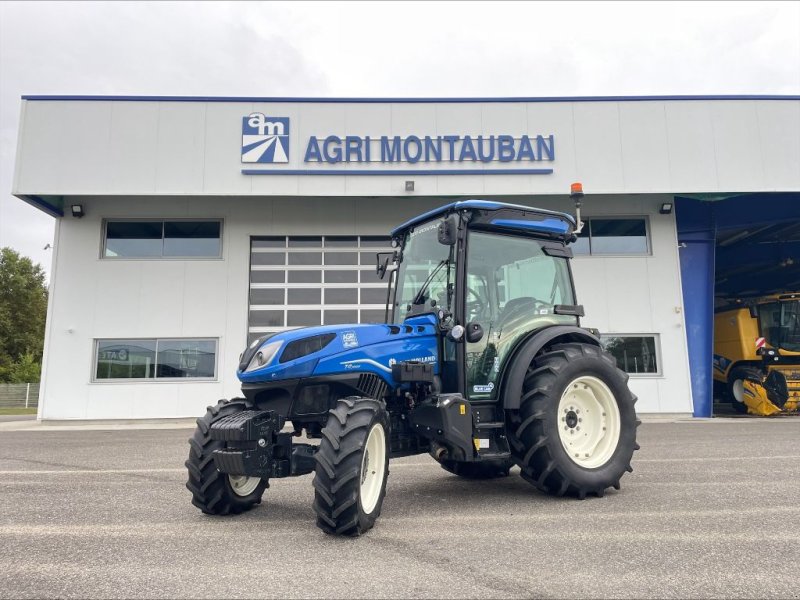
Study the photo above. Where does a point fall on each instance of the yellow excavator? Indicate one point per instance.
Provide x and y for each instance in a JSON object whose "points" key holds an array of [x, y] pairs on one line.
{"points": [[757, 353]]}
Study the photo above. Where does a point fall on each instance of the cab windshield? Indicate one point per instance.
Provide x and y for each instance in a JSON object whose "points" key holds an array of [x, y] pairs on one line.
{"points": [[780, 324], [426, 275]]}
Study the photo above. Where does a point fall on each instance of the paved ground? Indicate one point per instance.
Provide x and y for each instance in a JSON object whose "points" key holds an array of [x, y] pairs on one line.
{"points": [[711, 510], [10, 418]]}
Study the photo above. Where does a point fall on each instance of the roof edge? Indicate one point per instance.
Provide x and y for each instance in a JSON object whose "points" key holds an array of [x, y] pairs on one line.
{"points": [[42, 204], [321, 100]]}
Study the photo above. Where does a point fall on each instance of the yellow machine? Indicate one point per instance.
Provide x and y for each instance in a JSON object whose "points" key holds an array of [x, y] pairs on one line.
{"points": [[757, 353]]}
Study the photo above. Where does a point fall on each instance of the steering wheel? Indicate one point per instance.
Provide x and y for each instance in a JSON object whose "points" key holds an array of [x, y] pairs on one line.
{"points": [[475, 304]]}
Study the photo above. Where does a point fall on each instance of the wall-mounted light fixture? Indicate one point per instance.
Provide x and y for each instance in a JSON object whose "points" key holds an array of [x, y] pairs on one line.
{"points": [[77, 211], [409, 186], [666, 208]]}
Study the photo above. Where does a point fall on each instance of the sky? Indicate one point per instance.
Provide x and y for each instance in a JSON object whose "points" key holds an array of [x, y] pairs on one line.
{"points": [[378, 49]]}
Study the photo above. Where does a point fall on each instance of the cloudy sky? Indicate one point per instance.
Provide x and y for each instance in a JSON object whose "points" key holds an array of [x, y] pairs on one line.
{"points": [[379, 49]]}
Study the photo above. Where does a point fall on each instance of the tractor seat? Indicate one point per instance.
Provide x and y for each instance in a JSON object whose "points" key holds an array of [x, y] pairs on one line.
{"points": [[517, 306]]}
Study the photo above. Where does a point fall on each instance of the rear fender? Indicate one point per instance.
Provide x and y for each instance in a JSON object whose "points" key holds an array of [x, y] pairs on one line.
{"points": [[511, 390]]}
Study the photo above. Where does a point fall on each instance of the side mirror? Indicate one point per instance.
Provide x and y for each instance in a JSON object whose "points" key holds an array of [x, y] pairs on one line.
{"points": [[448, 230], [474, 332], [383, 263]]}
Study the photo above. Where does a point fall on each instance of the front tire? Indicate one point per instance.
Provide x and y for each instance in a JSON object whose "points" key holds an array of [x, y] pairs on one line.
{"points": [[575, 432], [213, 492], [352, 467], [736, 379]]}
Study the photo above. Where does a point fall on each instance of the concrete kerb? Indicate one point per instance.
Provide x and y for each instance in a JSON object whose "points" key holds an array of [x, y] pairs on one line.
{"points": [[97, 425]]}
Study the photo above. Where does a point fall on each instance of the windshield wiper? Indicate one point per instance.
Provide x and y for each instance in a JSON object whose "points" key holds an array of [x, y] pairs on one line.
{"points": [[418, 298]]}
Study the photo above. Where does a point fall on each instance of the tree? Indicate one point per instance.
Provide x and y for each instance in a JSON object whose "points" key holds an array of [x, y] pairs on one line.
{"points": [[23, 311]]}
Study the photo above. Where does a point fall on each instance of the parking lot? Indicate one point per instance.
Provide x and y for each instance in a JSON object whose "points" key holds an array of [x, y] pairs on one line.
{"points": [[711, 510]]}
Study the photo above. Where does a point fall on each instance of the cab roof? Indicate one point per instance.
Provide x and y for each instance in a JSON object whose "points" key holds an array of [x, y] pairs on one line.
{"points": [[553, 222]]}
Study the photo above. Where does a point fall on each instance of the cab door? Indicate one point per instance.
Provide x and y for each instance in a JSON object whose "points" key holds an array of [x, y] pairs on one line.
{"points": [[512, 288]]}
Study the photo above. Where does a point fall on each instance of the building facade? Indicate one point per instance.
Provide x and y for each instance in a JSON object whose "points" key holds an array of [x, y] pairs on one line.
{"points": [[188, 226]]}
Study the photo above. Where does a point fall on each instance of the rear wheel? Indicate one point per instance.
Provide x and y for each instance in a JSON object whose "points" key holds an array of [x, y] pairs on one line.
{"points": [[489, 469], [352, 467], [575, 432], [736, 379], [213, 492]]}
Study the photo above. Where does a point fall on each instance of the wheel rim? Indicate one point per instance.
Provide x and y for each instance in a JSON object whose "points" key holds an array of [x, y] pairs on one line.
{"points": [[373, 465], [588, 422], [738, 390], [242, 485]]}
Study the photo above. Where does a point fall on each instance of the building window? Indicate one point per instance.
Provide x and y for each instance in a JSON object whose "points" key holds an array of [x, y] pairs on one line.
{"points": [[161, 358], [613, 236], [298, 281], [636, 354], [162, 239]]}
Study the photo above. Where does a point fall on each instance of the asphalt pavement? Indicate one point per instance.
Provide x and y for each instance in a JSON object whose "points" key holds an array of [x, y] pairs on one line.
{"points": [[711, 510]]}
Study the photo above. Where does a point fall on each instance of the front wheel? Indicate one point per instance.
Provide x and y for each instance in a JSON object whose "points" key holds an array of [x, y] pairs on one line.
{"points": [[352, 467], [575, 432], [213, 492], [736, 379]]}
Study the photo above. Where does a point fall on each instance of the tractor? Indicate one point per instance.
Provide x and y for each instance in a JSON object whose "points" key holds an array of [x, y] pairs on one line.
{"points": [[481, 363]]}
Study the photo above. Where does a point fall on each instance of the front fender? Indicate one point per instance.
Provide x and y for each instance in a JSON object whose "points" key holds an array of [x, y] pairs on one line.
{"points": [[511, 384]]}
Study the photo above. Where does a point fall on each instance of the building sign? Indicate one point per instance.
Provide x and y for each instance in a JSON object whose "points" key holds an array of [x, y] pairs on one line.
{"points": [[265, 140], [426, 149]]}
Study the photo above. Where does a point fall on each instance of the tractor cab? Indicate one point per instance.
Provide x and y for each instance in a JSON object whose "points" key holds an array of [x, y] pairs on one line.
{"points": [[491, 273], [779, 323]]}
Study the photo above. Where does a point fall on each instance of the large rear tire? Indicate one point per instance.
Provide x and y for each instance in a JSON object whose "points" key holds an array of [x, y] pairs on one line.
{"points": [[478, 470], [575, 432], [352, 467], [213, 492]]}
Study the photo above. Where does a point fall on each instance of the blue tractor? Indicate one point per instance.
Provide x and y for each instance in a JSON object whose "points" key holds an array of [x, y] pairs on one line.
{"points": [[481, 363]]}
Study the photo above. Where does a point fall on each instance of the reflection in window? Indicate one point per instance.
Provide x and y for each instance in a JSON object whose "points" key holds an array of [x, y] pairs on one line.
{"points": [[612, 236], [129, 239], [634, 353], [157, 239], [186, 358], [156, 359], [191, 238]]}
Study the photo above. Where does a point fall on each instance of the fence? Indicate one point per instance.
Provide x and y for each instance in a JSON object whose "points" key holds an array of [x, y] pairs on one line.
{"points": [[19, 395]]}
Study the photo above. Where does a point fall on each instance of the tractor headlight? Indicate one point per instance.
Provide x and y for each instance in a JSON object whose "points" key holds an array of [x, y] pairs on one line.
{"points": [[263, 356]]}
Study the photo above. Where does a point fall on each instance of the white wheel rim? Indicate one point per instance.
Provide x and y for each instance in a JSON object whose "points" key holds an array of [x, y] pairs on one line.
{"points": [[373, 465], [242, 485], [738, 390], [588, 422]]}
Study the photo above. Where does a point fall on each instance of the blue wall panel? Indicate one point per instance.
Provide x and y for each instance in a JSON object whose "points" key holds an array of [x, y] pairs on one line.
{"points": [[696, 236]]}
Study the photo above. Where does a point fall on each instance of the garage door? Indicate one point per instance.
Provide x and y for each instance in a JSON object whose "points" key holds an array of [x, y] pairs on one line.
{"points": [[299, 281]]}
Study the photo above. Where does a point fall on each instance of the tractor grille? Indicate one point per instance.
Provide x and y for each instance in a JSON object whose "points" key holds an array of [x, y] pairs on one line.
{"points": [[371, 386]]}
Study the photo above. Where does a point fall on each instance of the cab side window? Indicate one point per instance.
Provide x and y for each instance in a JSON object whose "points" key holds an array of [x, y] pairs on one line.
{"points": [[512, 288]]}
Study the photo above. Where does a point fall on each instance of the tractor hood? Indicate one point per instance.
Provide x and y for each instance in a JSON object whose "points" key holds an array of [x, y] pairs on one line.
{"points": [[337, 349]]}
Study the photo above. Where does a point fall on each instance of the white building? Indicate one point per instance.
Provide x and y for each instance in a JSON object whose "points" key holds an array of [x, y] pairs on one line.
{"points": [[203, 221]]}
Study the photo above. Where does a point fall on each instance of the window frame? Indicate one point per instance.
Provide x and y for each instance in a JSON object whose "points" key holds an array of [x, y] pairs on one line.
{"points": [[647, 232], [154, 379], [162, 220], [659, 374]]}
